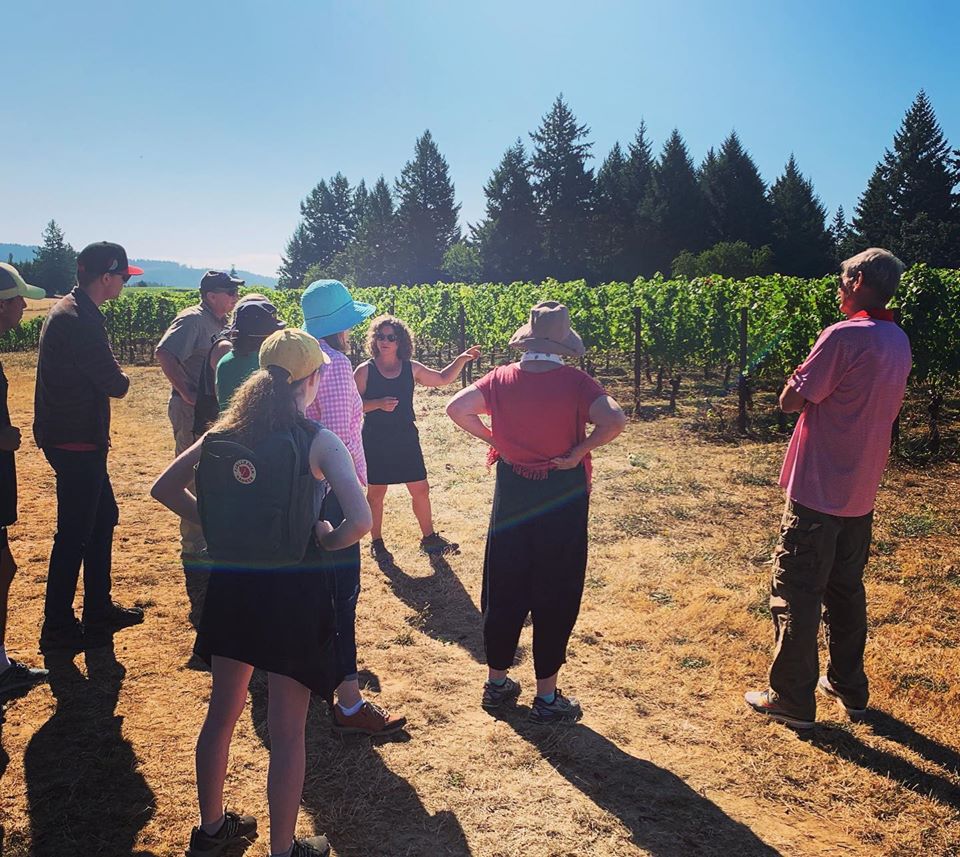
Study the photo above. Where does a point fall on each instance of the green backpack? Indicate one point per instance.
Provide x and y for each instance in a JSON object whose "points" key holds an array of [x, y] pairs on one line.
{"points": [[258, 506]]}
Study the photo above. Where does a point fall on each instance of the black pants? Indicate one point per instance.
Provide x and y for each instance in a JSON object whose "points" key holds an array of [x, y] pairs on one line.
{"points": [[86, 515], [818, 569], [535, 563]]}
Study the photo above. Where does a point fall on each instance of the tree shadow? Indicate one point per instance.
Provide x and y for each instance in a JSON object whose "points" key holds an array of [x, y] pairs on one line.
{"points": [[840, 742], [665, 816], [354, 798], [84, 791], [445, 611]]}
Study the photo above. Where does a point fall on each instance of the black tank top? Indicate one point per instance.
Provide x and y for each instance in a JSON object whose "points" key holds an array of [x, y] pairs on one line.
{"points": [[400, 388]]}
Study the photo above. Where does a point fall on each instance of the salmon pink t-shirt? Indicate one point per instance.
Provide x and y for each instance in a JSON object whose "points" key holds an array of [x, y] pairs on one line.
{"points": [[537, 416], [853, 380]]}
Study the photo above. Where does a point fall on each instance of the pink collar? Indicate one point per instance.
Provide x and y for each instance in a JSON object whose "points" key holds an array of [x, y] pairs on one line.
{"points": [[878, 314]]}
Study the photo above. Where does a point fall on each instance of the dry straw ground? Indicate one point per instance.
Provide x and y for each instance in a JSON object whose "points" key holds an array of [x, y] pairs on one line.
{"points": [[674, 627]]}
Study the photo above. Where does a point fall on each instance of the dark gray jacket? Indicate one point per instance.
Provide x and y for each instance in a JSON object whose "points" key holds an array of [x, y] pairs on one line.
{"points": [[77, 375]]}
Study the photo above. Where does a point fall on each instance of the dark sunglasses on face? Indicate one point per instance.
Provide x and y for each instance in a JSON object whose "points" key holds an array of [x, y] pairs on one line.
{"points": [[390, 337], [124, 277]]}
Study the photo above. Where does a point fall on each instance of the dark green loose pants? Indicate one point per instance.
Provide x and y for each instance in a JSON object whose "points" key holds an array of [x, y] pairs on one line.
{"points": [[818, 570]]}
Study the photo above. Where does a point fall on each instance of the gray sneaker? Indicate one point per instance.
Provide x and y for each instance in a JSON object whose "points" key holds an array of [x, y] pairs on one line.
{"points": [[314, 846], [563, 709], [495, 695], [828, 689], [19, 676]]}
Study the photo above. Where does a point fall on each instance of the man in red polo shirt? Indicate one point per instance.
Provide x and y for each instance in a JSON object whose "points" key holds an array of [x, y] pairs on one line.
{"points": [[848, 391]]}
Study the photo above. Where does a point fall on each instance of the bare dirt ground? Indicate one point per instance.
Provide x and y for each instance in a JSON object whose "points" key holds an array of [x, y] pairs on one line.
{"points": [[674, 627]]}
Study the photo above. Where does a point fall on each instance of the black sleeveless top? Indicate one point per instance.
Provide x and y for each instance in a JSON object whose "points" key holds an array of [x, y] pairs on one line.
{"points": [[400, 388]]}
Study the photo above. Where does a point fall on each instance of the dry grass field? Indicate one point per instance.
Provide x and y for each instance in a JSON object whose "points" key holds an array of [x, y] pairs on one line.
{"points": [[674, 627], [38, 308]]}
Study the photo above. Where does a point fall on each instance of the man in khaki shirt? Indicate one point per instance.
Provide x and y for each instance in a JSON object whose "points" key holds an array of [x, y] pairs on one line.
{"points": [[180, 353]]}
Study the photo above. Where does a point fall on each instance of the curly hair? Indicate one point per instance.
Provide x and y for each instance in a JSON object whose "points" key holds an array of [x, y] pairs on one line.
{"points": [[404, 336], [264, 403]]}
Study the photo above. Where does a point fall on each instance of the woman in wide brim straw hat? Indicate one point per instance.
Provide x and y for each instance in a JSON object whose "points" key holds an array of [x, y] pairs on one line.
{"points": [[329, 311], [536, 553], [273, 614]]}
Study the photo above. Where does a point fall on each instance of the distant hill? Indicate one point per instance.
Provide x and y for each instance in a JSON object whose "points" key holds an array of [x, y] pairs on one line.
{"points": [[170, 274]]}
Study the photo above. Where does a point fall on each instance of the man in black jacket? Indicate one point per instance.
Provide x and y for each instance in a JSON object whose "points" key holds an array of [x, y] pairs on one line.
{"points": [[77, 375]]}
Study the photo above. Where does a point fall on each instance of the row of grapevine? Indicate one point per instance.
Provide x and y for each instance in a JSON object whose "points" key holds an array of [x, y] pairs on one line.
{"points": [[683, 322]]}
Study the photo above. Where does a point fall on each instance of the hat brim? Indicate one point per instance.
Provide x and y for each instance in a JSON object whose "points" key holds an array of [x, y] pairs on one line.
{"points": [[571, 346], [349, 315], [134, 271], [35, 293]]}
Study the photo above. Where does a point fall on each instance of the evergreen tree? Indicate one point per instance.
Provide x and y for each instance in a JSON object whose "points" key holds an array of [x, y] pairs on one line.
{"points": [[639, 181], [377, 238], [509, 238], [910, 204], [328, 224], [875, 224], [426, 213], [802, 246], [54, 266], [563, 190], [674, 207], [842, 236], [461, 263], [737, 208], [293, 265], [614, 216]]}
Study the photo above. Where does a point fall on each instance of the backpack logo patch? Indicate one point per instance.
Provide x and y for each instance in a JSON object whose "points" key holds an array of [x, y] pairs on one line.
{"points": [[244, 471]]}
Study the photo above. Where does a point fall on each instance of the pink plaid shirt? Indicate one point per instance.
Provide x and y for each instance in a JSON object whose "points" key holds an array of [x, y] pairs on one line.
{"points": [[338, 406]]}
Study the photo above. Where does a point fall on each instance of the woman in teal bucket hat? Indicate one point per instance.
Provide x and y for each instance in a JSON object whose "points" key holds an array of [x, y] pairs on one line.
{"points": [[329, 312]]}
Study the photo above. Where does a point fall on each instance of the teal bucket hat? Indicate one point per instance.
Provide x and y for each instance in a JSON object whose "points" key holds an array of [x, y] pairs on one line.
{"points": [[328, 308]]}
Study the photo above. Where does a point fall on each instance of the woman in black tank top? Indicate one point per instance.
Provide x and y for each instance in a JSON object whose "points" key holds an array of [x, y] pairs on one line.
{"points": [[391, 442]]}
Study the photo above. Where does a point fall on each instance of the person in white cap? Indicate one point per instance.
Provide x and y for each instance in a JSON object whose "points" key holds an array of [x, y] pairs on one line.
{"points": [[14, 676]]}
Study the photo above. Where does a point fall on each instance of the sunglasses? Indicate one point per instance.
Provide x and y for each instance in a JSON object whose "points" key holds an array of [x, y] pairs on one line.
{"points": [[390, 337], [233, 291], [124, 277]]}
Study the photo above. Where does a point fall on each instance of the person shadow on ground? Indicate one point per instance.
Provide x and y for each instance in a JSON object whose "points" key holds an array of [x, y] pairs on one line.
{"points": [[84, 791], [444, 609], [944, 787], [354, 798], [665, 816]]}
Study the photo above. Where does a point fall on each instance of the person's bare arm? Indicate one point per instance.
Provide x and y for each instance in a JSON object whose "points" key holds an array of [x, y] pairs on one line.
{"points": [[441, 377], [330, 460], [465, 409], [219, 350], [170, 489], [176, 375], [791, 402], [608, 421]]}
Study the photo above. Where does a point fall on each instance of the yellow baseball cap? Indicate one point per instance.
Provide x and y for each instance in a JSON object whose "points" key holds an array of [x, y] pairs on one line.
{"points": [[294, 350], [12, 284]]}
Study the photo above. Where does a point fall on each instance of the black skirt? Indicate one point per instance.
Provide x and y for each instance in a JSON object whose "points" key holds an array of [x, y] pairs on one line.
{"points": [[280, 620], [393, 457]]}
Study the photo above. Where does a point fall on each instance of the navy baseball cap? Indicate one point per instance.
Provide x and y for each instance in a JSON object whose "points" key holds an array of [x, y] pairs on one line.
{"points": [[256, 318], [105, 257], [220, 281]]}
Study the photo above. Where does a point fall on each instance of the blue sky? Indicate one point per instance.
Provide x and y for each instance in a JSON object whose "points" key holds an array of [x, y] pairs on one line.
{"points": [[191, 130]]}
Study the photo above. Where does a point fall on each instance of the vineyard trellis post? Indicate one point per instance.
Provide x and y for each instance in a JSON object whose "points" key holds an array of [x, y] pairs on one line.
{"points": [[637, 359], [743, 390]]}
